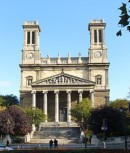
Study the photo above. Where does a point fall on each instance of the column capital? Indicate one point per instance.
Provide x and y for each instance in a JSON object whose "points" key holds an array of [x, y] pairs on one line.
{"points": [[56, 91], [33, 91], [45, 91], [80, 91], [68, 91], [91, 90]]}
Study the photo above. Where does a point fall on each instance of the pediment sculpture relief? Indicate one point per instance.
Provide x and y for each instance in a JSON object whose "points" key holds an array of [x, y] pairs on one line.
{"points": [[63, 79]]}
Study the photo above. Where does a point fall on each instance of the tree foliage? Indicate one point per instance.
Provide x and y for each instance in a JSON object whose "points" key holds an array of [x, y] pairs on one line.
{"points": [[81, 112], [2, 100], [123, 106], [36, 115], [120, 104], [14, 121], [2, 108], [6, 123], [124, 17], [114, 118], [8, 100], [22, 121]]}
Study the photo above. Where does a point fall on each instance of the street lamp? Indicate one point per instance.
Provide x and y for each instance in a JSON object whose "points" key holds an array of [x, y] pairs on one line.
{"points": [[104, 129], [125, 125], [8, 131], [8, 128], [84, 131]]}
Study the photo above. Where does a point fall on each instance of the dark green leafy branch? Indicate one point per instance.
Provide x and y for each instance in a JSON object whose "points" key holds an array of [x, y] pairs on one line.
{"points": [[124, 18]]}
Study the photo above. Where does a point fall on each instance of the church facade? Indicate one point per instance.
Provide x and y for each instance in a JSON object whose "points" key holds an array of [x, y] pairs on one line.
{"points": [[56, 84]]}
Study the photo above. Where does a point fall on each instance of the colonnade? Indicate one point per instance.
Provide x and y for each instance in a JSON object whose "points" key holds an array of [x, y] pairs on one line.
{"points": [[45, 92]]}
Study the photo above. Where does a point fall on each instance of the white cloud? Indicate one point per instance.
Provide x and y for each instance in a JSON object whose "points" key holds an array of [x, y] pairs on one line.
{"points": [[4, 83]]}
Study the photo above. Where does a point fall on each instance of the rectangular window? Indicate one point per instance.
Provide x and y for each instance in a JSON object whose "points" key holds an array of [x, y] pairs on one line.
{"points": [[28, 37], [33, 37], [95, 36], [100, 35]]}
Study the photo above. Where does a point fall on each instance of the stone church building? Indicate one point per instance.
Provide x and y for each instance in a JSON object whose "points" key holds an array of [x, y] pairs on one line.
{"points": [[56, 84]]}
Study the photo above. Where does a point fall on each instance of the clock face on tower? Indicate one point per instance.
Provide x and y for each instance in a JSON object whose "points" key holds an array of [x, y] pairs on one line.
{"points": [[29, 55], [97, 54]]}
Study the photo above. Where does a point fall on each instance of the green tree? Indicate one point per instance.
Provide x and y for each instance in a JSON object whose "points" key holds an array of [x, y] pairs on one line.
{"points": [[37, 115], [8, 100], [2, 100], [124, 17], [120, 104], [114, 121], [81, 112], [123, 106]]}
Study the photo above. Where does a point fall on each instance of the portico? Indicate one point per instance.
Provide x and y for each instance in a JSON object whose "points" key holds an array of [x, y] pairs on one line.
{"points": [[57, 97]]}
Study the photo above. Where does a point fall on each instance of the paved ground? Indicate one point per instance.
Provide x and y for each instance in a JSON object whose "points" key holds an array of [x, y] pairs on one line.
{"points": [[72, 146]]}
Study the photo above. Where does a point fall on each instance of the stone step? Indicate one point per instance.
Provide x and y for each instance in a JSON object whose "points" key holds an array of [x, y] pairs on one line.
{"points": [[62, 131], [50, 136], [59, 132], [59, 124]]}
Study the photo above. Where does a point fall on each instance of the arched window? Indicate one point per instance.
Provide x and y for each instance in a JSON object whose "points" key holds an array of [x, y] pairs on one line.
{"points": [[98, 79], [29, 80]]}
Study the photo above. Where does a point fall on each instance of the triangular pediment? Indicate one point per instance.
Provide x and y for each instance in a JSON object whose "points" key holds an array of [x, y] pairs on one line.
{"points": [[63, 79]]}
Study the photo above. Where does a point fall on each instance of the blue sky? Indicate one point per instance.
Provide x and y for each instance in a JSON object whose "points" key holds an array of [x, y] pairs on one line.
{"points": [[64, 25]]}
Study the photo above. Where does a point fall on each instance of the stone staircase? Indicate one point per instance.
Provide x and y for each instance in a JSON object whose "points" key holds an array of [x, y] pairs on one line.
{"points": [[64, 132]]}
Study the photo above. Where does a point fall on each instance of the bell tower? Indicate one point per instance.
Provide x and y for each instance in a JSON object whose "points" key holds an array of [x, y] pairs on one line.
{"points": [[98, 60], [97, 50], [31, 52]]}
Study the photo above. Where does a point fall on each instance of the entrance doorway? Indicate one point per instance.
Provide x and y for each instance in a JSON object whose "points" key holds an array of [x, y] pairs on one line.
{"points": [[63, 115]]}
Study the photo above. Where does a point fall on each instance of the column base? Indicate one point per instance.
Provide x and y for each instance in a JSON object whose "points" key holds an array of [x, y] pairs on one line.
{"points": [[56, 124], [69, 124]]}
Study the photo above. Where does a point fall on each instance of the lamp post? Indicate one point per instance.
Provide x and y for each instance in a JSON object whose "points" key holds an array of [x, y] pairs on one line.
{"points": [[8, 132], [84, 132], [104, 129], [125, 125], [33, 120]]}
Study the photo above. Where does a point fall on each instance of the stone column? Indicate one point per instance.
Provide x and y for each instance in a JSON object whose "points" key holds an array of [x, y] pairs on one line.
{"points": [[25, 38], [106, 78], [56, 105], [68, 105], [91, 38], [21, 78], [33, 106], [31, 37], [103, 38], [80, 95], [33, 99], [92, 97], [36, 37], [45, 103]]}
